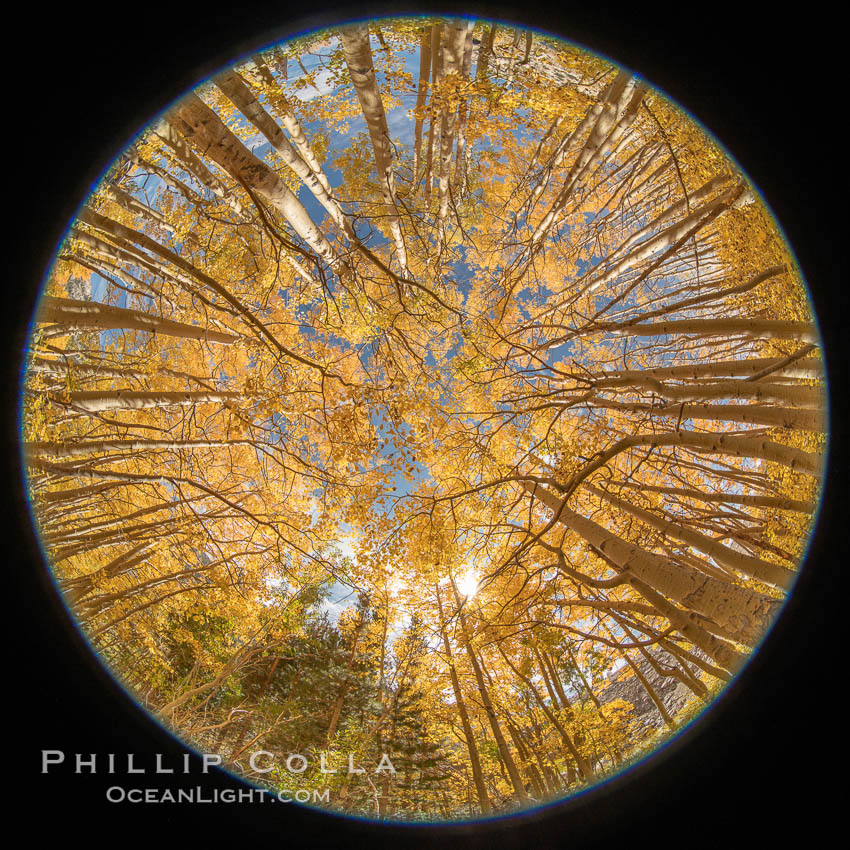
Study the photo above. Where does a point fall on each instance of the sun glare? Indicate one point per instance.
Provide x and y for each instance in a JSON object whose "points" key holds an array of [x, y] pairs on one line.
{"points": [[467, 585]]}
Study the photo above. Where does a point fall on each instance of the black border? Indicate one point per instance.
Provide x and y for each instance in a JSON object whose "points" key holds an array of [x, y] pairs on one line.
{"points": [[81, 80]]}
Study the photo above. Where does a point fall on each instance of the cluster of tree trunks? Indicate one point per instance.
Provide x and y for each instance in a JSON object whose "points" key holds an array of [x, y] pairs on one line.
{"points": [[629, 454]]}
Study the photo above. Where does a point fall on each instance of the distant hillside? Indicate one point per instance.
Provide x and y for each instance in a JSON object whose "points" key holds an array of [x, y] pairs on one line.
{"points": [[623, 684]]}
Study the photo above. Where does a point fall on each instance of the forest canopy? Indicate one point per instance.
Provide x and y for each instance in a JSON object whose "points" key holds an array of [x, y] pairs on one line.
{"points": [[430, 391]]}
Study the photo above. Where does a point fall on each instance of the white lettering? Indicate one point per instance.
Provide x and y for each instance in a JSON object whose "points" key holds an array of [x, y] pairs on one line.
{"points": [[209, 760], [89, 763], [385, 764], [292, 769], [50, 757], [253, 761]]}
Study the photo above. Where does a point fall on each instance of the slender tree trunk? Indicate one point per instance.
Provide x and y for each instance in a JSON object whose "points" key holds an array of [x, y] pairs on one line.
{"points": [[772, 574], [135, 206], [421, 99], [336, 712], [583, 678], [290, 122], [77, 589], [622, 96], [485, 52], [459, 179], [776, 417], [87, 447], [358, 58], [744, 612], [452, 67], [584, 767], [756, 329], [645, 683], [199, 122], [489, 710], [780, 502], [187, 274], [718, 443], [95, 401], [525, 761], [474, 758], [72, 315], [809, 367], [740, 390], [241, 97], [179, 146], [436, 77]]}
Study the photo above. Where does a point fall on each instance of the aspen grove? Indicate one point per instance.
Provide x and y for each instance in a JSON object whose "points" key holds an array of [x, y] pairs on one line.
{"points": [[401, 387]]}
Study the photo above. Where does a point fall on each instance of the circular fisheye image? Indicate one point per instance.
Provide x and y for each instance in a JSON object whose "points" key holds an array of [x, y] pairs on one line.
{"points": [[425, 416]]}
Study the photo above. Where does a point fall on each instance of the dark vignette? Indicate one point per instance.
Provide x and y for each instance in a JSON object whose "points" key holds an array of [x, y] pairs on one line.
{"points": [[84, 80]]}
